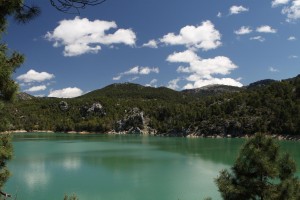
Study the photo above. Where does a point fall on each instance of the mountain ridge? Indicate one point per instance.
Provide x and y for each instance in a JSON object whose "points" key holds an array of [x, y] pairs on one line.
{"points": [[213, 89]]}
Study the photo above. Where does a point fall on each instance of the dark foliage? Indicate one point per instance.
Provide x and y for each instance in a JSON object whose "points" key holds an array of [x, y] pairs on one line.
{"points": [[260, 172]]}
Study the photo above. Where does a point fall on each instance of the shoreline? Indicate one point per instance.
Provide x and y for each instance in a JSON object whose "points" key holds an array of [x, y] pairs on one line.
{"points": [[112, 132]]}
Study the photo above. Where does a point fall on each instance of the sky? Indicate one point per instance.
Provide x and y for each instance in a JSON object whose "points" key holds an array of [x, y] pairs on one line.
{"points": [[171, 43]]}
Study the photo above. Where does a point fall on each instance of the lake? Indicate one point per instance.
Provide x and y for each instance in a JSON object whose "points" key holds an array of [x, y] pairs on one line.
{"points": [[113, 167]]}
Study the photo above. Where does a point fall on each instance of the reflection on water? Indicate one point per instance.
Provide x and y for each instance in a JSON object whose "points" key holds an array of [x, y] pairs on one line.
{"points": [[71, 162], [36, 174], [119, 167]]}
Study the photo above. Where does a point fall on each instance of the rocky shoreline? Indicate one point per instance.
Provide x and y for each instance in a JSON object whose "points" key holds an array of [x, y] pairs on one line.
{"points": [[154, 133]]}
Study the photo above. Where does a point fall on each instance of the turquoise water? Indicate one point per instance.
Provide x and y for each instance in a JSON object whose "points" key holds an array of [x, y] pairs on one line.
{"points": [[113, 167]]}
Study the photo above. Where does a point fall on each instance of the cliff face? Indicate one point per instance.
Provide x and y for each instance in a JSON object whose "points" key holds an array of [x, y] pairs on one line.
{"points": [[134, 122]]}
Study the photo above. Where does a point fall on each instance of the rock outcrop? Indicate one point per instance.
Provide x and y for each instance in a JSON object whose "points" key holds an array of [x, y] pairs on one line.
{"points": [[134, 122], [63, 106], [24, 96], [95, 109]]}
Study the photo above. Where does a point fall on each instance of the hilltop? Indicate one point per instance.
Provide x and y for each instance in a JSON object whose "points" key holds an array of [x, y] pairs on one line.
{"points": [[132, 90], [210, 90]]}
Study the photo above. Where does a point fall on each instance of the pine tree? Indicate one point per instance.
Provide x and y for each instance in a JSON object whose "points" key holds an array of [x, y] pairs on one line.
{"points": [[5, 155], [9, 62], [260, 173]]}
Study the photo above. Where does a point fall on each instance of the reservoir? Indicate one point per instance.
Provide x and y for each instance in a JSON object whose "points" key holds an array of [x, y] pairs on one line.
{"points": [[111, 167]]}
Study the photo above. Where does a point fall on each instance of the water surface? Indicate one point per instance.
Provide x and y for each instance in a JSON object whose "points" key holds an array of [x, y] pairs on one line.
{"points": [[113, 167]]}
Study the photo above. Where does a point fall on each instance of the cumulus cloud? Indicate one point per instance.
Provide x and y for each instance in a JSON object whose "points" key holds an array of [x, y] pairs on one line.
{"points": [[258, 38], [34, 76], [202, 70], [279, 2], [266, 29], [36, 88], [234, 10], [219, 15], [185, 56], [81, 36], [69, 92], [152, 83], [291, 38], [205, 67], [137, 70], [204, 37], [243, 30], [173, 84], [151, 44], [292, 11], [212, 81]]}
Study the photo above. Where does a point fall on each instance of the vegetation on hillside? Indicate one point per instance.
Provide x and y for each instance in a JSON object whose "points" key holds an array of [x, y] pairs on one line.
{"points": [[273, 107]]}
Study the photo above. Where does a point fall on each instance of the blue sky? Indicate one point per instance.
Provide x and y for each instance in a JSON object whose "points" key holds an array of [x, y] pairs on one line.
{"points": [[173, 43]]}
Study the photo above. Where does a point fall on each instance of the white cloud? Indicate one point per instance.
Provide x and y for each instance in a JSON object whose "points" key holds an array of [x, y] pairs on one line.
{"points": [[134, 70], [237, 10], [212, 81], [134, 78], [185, 56], [151, 44], [258, 38], [204, 36], [148, 70], [137, 70], [69, 92], [152, 83], [202, 70], [36, 88], [291, 38], [34, 76], [243, 30], [80, 36], [293, 56], [292, 11], [173, 84], [204, 67], [219, 15], [116, 78], [279, 2], [272, 69], [266, 29]]}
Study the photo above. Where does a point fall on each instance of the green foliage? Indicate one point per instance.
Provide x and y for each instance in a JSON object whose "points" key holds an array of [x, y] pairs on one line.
{"points": [[21, 12], [8, 64], [5, 155], [260, 173]]}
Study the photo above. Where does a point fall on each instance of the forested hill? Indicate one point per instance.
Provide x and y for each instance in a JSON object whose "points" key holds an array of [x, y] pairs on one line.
{"points": [[266, 106], [135, 91]]}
